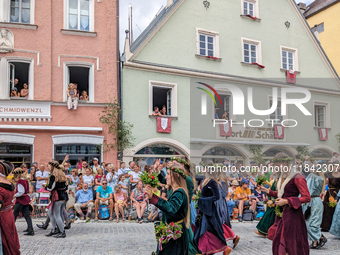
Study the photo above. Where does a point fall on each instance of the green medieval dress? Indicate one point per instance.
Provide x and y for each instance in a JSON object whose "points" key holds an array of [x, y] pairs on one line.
{"points": [[268, 218], [174, 210]]}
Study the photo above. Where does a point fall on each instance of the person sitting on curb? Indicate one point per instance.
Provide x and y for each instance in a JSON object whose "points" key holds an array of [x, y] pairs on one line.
{"points": [[104, 197], [241, 198], [84, 200]]}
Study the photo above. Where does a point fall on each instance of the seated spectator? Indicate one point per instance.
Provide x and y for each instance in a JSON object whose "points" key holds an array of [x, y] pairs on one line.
{"points": [[121, 181], [121, 201], [138, 198], [24, 91], [88, 178], [15, 93], [76, 87], [33, 198], [241, 199], [99, 178], [72, 99], [104, 197], [260, 195], [81, 181], [156, 112], [112, 177], [84, 200], [74, 179], [84, 96]]}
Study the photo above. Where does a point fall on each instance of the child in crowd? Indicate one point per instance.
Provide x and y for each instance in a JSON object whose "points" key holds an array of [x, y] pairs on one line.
{"points": [[121, 181], [72, 100], [84, 96], [156, 112], [32, 196]]}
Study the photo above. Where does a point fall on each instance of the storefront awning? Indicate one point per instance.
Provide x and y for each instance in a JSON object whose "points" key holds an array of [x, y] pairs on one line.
{"points": [[200, 140]]}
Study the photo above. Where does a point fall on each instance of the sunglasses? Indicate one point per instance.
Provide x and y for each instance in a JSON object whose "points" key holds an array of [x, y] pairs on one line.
{"points": [[104, 183]]}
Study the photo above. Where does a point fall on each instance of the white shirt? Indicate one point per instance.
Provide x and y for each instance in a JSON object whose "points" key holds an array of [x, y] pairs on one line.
{"points": [[88, 179], [334, 159], [41, 175], [135, 176], [21, 190], [123, 171]]}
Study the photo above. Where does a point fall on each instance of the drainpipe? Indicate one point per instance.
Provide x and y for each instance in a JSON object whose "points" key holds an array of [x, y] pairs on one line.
{"points": [[119, 68]]}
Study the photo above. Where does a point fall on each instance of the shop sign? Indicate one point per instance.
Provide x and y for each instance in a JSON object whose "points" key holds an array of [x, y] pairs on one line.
{"points": [[25, 109]]}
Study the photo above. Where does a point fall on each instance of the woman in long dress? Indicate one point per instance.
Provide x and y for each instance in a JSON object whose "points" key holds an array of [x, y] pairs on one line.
{"points": [[175, 209], [333, 189], [209, 231], [335, 228], [314, 209], [292, 191]]}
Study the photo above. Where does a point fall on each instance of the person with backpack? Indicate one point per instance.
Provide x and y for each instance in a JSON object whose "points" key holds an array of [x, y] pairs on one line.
{"points": [[104, 197], [84, 201]]}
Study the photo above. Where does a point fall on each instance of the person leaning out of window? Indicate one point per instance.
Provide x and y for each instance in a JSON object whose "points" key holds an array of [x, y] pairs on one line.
{"points": [[15, 93], [24, 91], [84, 96], [72, 98]]}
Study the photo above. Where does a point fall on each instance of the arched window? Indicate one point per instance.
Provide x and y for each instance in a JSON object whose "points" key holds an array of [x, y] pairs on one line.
{"points": [[320, 154], [219, 154]]}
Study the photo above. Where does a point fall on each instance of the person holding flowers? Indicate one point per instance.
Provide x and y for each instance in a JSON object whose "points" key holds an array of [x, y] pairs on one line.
{"points": [[176, 211], [292, 191]]}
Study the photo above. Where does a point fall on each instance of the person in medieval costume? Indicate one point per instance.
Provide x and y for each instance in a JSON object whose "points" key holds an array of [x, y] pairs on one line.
{"points": [[175, 210], [335, 228], [292, 191], [58, 188], [9, 243], [22, 200], [333, 175], [314, 209], [210, 231]]}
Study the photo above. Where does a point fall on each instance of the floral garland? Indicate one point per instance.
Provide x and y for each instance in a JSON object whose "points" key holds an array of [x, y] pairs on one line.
{"points": [[279, 210], [332, 204], [260, 180], [195, 198], [166, 232], [149, 179], [281, 160], [179, 160], [180, 172], [269, 202]]}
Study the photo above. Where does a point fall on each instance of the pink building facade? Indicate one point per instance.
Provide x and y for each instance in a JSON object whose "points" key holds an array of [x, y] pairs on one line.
{"points": [[45, 46]]}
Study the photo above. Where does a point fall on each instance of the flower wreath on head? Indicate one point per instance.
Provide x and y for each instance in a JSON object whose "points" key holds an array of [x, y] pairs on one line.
{"points": [[281, 160], [179, 171], [179, 160]]}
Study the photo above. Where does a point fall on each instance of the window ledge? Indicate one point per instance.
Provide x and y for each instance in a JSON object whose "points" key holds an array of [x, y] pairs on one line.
{"points": [[248, 64], [78, 32], [284, 70], [18, 98], [18, 25], [247, 17], [209, 58], [322, 127], [165, 116]]}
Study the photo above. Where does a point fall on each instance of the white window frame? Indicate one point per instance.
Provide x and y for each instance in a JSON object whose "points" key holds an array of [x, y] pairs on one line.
{"points": [[327, 113], [6, 5], [66, 18], [216, 35], [168, 85], [256, 7], [258, 49], [5, 72], [295, 56], [284, 117], [224, 93], [67, 79]]}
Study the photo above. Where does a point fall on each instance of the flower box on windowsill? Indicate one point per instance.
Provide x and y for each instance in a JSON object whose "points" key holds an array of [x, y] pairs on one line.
{"points": [[253, 65], [209, 58], [250, 17], [78, 32], [165, 116], [18, 25], [284, 70]]}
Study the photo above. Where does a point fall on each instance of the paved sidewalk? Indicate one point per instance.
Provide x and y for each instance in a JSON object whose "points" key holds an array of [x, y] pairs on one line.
{"points": [[130, 238]]}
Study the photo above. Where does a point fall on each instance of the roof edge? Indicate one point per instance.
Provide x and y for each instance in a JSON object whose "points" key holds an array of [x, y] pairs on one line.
{"points": [[322, 9]]}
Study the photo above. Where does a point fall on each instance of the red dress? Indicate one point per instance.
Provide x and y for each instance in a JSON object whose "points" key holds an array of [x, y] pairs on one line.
{"points": [[9, 234], [291, 233]]}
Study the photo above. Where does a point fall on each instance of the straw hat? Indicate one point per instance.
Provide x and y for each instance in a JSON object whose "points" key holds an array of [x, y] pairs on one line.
{"points": [[234, 183]]}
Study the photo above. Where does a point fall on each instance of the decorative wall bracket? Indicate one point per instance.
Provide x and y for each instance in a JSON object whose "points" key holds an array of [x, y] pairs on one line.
{"points": [[206, 4]]}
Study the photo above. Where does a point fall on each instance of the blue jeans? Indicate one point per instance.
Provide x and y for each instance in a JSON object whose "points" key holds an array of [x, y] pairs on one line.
{"points": [[231, 205]]}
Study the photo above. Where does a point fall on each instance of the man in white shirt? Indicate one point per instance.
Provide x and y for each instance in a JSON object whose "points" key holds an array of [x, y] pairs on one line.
{"points": [[41, 176]]}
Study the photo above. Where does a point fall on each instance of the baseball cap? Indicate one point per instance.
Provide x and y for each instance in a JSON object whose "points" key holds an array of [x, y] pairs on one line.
{"points": [[252, 162], [243, 181], [320, 162], [227, 158], [35, 163], [95, 159]]}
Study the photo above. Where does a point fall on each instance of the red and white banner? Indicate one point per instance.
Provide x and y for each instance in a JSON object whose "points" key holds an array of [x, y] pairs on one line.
{"points": [[279, 131], [323, 134], [291, 77], [226, 129], [163, 125]]}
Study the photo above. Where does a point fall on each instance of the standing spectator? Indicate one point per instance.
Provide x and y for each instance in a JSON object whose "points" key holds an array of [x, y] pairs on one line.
{"points": [[32, 179], [104, 167], [34, 164], [121, 201], [138, 198], [162, 168], [122, 169], [80, 163], [335, 158], [24, 91], [241, 199], [104, 197], [83, 168], [25, 168], [84, 200], [95, 165], [134, 177], [99, 178], [88, 178], [42, 177]]}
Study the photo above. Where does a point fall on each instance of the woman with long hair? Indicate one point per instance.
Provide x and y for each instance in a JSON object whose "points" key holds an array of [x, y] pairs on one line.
{"points": [[9, 240], [22, 199], [209, 231], [58, 188], [138, 198], [121, 201], [314, 209], [175, 210], [292, 191]]}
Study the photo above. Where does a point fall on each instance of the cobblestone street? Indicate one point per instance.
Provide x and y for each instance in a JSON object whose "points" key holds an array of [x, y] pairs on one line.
{"points": [[130, 238]]}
